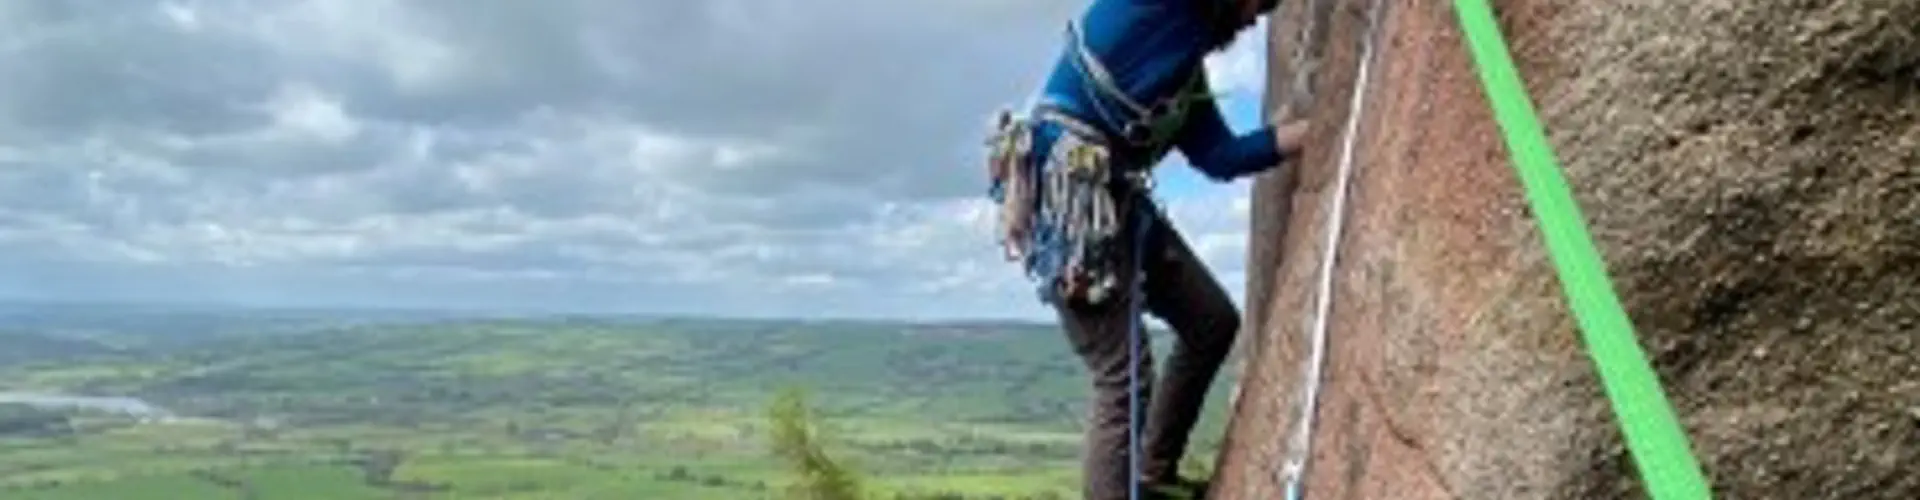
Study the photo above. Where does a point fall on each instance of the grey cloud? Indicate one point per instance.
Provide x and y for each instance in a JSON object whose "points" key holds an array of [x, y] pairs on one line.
{"points": [[875, 91], [617, 146], [62, 79]]}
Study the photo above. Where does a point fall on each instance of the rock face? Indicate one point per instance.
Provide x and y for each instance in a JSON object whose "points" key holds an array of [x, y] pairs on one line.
{"points": [[1750, 170]]}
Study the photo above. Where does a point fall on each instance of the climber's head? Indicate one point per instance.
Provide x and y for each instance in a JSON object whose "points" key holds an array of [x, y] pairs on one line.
{"points": [[1254, 8], [1250, 10], [1242, 14]]}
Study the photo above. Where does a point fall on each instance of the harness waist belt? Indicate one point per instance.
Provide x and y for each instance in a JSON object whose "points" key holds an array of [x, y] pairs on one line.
{"points": [[1131, 172], [1087, 131]]}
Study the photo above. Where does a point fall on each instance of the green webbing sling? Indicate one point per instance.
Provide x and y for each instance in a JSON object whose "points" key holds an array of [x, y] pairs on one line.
{"points": [[1653, 435]]}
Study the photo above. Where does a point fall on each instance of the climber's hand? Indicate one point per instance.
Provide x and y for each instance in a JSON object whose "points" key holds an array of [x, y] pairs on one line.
{"points": [[1292, 137]]}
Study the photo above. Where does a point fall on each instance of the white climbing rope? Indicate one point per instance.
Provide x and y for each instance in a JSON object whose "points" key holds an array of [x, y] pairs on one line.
{"points": [[1293, 471]]}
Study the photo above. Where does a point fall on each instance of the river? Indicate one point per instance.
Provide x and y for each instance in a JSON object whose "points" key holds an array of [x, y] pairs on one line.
{"points": [[130, 406]]}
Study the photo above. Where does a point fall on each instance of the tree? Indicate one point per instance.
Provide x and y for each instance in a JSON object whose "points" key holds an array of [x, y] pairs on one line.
{"points": [[796, 441], [25, 420], [377, 466]]}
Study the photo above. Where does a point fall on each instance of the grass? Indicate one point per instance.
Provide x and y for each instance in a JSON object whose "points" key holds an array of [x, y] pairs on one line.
{"points": [[156, 487], [565, 409], [310, 482]]}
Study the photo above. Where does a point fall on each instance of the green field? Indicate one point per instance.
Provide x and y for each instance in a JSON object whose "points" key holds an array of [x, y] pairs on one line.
{"points": [[557, 408]]}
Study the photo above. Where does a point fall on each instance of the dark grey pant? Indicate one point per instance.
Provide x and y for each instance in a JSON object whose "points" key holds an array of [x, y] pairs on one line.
{"points": [[1182, 293]]}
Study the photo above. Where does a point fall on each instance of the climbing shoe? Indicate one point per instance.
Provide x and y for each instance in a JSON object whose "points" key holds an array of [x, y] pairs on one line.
{"points": [[1177, 488]]}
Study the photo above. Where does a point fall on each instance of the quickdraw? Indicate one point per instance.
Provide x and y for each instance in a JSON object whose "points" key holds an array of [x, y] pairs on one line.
{"points": [[1012, 186]]}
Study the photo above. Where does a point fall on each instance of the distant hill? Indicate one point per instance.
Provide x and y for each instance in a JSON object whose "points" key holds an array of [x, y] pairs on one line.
{"points": [[142, 326], [19, 348]]}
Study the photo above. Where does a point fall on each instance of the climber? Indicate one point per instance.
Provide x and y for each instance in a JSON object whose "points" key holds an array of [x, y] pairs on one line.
{"points": [[1070, 177]]}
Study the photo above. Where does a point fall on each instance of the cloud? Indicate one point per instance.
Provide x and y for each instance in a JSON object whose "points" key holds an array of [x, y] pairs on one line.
{"points": [[755, 157]]}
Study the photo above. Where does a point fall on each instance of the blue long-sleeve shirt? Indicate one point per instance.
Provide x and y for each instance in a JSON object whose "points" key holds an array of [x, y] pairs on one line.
{"points": [[1152, 49]]}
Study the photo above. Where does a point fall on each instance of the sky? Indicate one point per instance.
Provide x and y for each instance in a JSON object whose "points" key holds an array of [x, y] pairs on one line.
{"points": [[732, 157]]}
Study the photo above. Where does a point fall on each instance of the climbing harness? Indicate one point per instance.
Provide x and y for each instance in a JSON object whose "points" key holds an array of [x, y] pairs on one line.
{"points": [[1292, 474], [1060, 221], [1057, 206]]}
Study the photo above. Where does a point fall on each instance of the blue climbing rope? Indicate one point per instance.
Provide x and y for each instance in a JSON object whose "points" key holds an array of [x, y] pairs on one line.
{"points": [[1143, 214]]}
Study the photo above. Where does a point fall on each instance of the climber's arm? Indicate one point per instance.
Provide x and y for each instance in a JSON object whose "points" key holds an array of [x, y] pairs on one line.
{"points": [[1214, 150]]}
